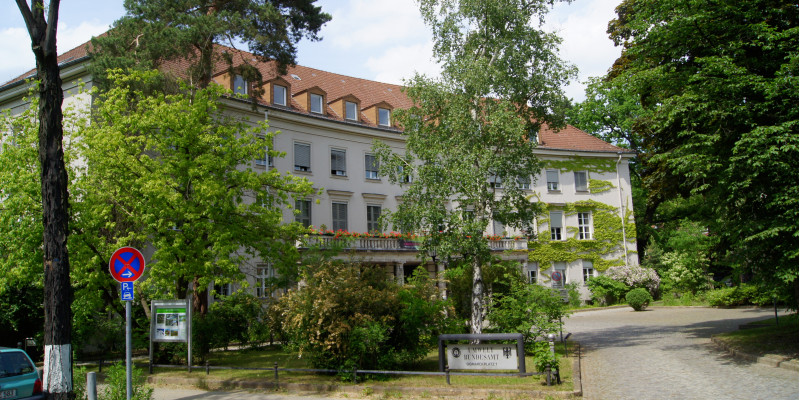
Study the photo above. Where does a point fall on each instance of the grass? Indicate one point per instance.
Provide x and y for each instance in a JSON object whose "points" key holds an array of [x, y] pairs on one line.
{"points": [[781, 339], [267, 357]]}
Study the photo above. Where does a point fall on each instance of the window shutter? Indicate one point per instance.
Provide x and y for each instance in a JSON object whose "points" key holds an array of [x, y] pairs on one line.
{"points": [[555, 219], [580, 181], [302, 157], [337, 161]]}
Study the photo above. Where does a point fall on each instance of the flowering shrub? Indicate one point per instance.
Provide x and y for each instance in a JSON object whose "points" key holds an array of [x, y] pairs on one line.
{"points": [[636, 277]]}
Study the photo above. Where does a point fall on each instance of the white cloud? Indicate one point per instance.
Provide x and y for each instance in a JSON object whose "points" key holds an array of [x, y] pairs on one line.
{"points": [[400, 62], [362, 25]]}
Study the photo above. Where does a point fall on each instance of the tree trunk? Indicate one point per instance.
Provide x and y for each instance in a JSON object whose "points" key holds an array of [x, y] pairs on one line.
{"points": [[476, 317], [55, 202], [199, 298]]}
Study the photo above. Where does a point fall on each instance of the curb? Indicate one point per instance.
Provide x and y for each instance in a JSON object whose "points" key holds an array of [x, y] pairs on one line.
{"points": [[772, 360], [461, 393]]}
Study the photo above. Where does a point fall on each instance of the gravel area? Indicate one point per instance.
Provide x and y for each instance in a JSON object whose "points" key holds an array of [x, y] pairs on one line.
{"points": [[666, 353]]}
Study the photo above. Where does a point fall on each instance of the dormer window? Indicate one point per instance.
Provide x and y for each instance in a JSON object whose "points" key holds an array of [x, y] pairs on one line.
{"points": [[351, 111], [279, 95], [315, 103], [384, 117], [239, 85]]}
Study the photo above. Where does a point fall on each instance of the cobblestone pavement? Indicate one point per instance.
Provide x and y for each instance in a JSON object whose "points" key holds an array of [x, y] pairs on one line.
{"points": [[666, 353]]}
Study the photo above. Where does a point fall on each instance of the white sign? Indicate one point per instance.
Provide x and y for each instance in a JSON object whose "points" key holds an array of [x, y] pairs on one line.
{"points": [[171, 324], [482, 356]]}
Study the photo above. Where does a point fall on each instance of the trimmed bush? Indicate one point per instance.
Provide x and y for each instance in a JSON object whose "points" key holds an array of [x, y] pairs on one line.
{"points": [[606, 291], [638, 298]]}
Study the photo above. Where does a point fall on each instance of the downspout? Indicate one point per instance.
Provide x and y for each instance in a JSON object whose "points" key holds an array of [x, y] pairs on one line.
{"points": [[622, 210]]}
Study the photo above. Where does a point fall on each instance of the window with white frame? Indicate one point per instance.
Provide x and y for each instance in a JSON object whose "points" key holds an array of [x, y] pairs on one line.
{"points": [[384, 117], [315, 103], [524, 182], [338, 164], [556, 220], [339, 216], [559, 275], [279, 95], [404, 176], [373, 218], [222, 289], [588, 270], [584, 225], [371, 166], [533, 276], [302, 157], [581, 181], [265, 159], [350, 111], [496, 182], [303, 214], [552, 180], [239, 85], [264, 273]]}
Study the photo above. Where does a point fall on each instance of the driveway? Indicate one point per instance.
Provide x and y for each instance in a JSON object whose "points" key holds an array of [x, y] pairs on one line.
{"points": [[666, 353]]}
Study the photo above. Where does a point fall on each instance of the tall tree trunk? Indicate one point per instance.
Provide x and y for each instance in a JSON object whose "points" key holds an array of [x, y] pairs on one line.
{"points": [[55, 204], [476, 316]]}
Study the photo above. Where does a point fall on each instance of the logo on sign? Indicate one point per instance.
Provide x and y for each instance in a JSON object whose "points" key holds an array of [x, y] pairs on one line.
{"points": [[126, 264]]}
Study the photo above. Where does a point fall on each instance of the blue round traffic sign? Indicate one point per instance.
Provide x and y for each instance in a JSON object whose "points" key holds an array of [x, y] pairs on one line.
{"points": [[126, 264], [556, 276]]}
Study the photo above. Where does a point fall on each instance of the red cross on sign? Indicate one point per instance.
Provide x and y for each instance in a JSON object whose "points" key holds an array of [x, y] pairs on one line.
{"points": [[126, 264]]}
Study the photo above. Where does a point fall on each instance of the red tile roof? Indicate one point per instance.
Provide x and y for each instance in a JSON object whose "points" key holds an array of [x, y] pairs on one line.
{"points": [[368, 92]]}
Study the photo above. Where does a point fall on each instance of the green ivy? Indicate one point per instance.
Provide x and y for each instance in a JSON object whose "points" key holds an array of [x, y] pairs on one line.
{"points": [[600, 186], [606, 239], [583, 164]]}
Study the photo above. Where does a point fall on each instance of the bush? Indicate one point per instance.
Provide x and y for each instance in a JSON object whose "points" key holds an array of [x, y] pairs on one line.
{"points": [[606, 291], [736, 296], [573, 294], [635, 276], [116, 384], [530, 309], [638, 298]]}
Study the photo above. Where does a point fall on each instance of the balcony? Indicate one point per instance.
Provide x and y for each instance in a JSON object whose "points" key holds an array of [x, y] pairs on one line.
{"points": [[394, 244]]}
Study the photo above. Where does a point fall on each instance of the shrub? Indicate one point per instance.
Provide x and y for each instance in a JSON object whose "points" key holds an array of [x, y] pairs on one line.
{"points": [[573, 294], [116, 384], [736, 296], [638, 298], [530, 309], [606, 291], [635, 276]]}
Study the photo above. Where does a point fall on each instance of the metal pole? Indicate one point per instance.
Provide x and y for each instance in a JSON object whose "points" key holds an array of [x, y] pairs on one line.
{"points": [[91, 385], [128, 345]]}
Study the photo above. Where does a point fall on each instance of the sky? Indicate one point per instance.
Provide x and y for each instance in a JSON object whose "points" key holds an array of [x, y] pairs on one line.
{"points": [[382, 40]]}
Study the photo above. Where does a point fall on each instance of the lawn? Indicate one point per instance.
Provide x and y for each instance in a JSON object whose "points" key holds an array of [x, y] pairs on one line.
{"points": [[781, 339]]}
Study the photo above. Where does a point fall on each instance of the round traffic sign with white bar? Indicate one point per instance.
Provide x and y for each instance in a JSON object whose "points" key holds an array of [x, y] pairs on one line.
{"points": [[126, 264]]}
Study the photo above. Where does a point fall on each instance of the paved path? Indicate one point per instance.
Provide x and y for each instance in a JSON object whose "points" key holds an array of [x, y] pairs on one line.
{"points": [[666, 353]]}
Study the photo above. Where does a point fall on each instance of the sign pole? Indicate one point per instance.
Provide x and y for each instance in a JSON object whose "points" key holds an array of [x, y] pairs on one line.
{"points": [[128, 345]]}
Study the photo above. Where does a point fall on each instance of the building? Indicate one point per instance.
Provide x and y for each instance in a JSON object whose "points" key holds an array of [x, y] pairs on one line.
{"points": [[328, 123]]}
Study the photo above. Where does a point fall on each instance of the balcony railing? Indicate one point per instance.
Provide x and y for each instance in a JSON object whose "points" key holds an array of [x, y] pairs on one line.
{"points": [[394, 244]]}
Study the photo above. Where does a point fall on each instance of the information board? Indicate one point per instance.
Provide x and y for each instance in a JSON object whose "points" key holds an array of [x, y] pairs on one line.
{"points": [[170, 322], [482, 356]]}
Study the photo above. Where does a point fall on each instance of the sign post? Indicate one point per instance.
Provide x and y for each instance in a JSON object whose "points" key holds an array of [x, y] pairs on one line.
{"points": [[126, 266]]}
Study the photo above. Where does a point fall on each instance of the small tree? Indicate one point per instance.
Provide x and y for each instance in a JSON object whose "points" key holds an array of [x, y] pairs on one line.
{"points": [[529, 309]]}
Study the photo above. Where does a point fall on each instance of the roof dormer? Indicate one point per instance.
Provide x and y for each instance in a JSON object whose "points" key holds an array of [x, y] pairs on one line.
{"points": [[380, 114], [277, 92], [348, 107], [312, 100]]}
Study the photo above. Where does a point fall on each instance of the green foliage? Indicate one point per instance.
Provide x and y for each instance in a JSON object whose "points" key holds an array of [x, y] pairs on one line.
{"points": [[349, 316], [606, 291], [542, 356], [684, 260], [737, 296], [116, 384], [498, 278], [239, 318], [573, 294], [717, 120], [638, 298], [470, 128], [156, 32], [530, 309]]}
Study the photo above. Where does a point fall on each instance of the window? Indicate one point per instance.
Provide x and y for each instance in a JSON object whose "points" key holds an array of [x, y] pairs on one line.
{"points": [[351, 111], [302, 157], [373, 218], [497, 227], [559, 275], [371, 166], [263, 275], [338, 165], [580, 182], [404, 177], [239, 85], [588, 270], [555, 225], [496, 182], [584, 225], [524, 182], [384, 117], [222, 289], [552, 180], [315, 101], [339, 216], [533, 276], [304, 215], [279, 95], [265, 159]]}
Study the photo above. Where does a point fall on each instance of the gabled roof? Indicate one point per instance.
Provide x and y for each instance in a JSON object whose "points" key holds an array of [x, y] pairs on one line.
{"points": [[367, 91]]}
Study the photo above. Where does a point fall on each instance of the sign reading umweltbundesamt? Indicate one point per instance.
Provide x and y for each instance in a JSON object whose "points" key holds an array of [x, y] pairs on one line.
{"points": [[482, 356], [171, 324]]}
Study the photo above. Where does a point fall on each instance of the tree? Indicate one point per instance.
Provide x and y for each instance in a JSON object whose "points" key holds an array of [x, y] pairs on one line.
{"points": [[175, 174], [718, 83], [156, 32], [55, 204], [470, 134]]}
